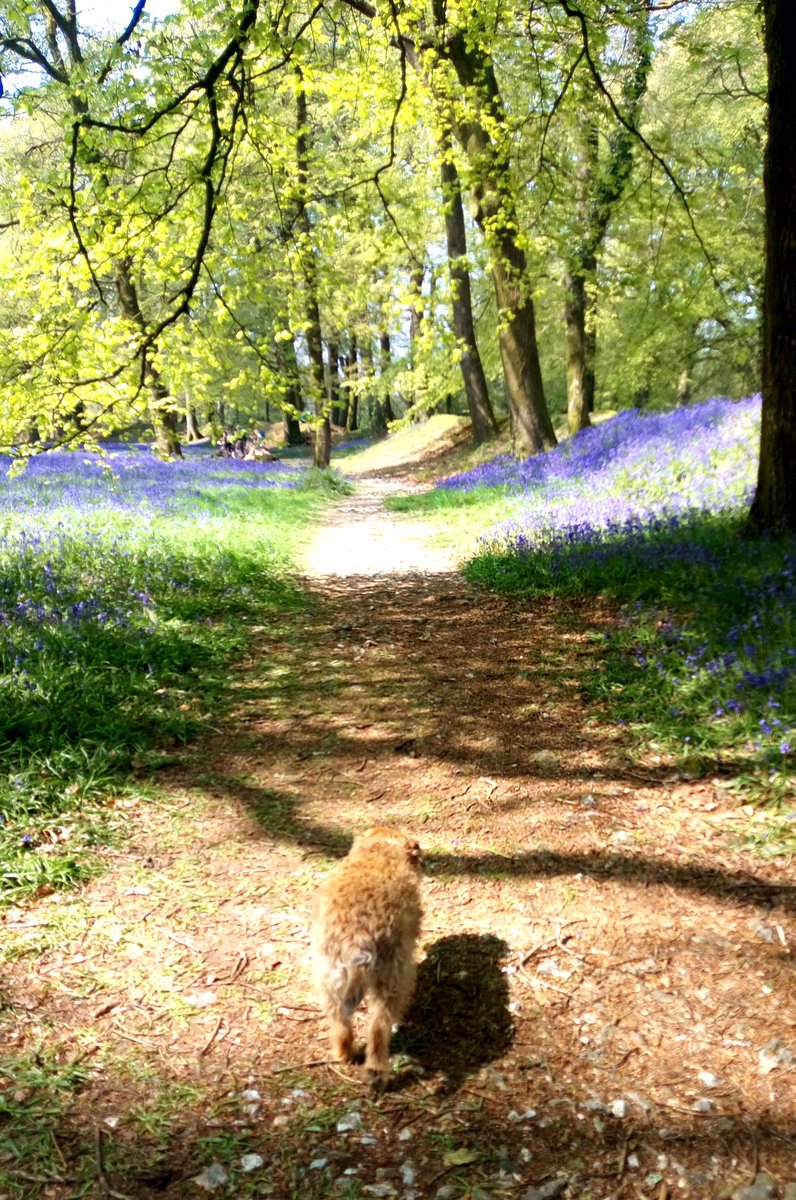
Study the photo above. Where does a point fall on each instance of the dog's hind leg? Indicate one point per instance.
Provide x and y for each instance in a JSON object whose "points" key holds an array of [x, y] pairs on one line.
{"points": [[341, 1034], [341, 993], [377, 1054]]}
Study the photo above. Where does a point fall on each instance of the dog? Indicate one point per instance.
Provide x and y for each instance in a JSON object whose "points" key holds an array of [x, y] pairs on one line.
{"points": [[366, 921]]}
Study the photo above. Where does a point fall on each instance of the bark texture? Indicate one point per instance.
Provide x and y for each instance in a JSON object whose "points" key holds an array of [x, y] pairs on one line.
{"points": [[774, 505], [479, 404], [494, 210]]}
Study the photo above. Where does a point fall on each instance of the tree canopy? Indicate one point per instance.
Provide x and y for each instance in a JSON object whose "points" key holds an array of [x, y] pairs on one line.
{"points": [[237, 211]]}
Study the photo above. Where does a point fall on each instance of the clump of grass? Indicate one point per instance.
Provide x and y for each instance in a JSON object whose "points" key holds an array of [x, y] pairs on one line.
{"points": [[327, 481], [650, 511], [35, 1093], [118, 624]]}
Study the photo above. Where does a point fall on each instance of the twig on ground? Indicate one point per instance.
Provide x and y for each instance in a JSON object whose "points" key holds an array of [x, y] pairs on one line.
{"points": [[335, 1070], [316, 1062], [130, 1037], [105, 1009], [440, 1174], [101, 1176], [29, 1177], [622, 1165], [240, 966], [206, 1048], [181, 941]]}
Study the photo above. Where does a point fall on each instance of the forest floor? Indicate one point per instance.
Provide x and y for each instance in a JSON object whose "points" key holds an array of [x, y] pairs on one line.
{"points": [[605, 1002]]}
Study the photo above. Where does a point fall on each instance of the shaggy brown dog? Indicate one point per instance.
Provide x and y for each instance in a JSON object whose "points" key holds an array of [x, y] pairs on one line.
{"points": [[365, 924]]}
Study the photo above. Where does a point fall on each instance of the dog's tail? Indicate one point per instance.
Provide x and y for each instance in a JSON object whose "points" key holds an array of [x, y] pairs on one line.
{"points": [[360, 956], [352, 974]]}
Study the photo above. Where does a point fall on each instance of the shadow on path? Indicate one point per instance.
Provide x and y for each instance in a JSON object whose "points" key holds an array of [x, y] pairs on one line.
{"points": [[460, 1019]]}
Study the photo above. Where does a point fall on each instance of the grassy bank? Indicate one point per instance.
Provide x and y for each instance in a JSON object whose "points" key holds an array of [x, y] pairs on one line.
{"points": [[126, 591], [649, 511]]}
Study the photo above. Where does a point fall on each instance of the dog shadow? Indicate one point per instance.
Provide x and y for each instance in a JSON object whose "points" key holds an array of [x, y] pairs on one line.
{"points": [[459, 1019]]}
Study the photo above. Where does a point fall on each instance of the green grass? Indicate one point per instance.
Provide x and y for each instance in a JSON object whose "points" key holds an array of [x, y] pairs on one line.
{"points": [[35, 1095], [457, 518], [121, 652]]}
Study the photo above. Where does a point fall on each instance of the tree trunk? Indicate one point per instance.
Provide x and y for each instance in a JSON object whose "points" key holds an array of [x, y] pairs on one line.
{"points": [[335, 396], [494, 210], [578, 366], [352, 375], [482, 415], [369, 396], [598, 187], [684, 387], [580, 273], [382, 404], [292, 403], [322, 446], [774, 505], [192, 433], [417, 382], [162, 414], [416, 313]]}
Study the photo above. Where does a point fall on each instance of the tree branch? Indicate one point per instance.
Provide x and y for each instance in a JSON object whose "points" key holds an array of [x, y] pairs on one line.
{"points": [[577, 14]]}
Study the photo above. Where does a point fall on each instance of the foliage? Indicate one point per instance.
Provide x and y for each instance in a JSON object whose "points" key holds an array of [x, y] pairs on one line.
{"points": [[678, 300], [164, 160], [126, 587]]}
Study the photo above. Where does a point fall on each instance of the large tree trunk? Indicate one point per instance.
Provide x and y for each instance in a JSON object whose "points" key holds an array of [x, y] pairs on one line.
{"points": [[579, 275], [494, 210], [774, 505], [580, 371], [479, 404], [163, 415], [322, 445]]}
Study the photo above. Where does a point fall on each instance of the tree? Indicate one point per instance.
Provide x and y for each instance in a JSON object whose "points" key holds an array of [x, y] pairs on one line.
{"points": [[481, 127], [675, 293], [599, 185], [479, 405], [322, 446], [774, 504], [127, 201]]}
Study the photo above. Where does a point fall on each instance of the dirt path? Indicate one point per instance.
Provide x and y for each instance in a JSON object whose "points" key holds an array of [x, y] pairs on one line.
{"points": [[607, 997], [362, 538]]}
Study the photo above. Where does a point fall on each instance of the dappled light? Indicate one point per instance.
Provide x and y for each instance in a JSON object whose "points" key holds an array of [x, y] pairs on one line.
{"points": [[397, 513], [605, 974]]}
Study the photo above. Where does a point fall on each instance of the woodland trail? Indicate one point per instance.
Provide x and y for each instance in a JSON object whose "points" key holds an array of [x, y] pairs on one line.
{"points": [[606, 1003]]}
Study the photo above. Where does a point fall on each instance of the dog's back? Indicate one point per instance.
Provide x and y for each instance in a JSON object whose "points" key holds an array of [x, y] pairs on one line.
{"points": [[367, 915]]}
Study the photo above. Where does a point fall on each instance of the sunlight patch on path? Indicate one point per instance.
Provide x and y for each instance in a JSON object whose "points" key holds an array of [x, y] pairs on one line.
{"points": [[362, 538]]}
